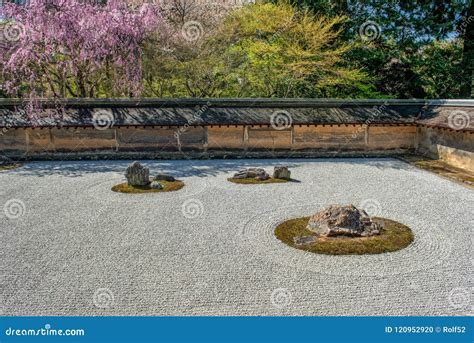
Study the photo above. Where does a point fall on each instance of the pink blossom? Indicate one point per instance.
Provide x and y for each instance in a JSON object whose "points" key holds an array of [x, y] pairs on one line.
{"points": [[64, 48]]}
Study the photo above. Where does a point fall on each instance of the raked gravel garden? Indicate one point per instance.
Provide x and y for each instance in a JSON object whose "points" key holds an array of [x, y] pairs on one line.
{"points": [[72, 246]]}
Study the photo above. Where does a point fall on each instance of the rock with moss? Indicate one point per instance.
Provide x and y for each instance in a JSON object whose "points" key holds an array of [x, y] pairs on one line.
{"points": [[137, 175], [304, 240], [156, 185], [281, 172], [252, 173], [337, 220], [164, 177]]}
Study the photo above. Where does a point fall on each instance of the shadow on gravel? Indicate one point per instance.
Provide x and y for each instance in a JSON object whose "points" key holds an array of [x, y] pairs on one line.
{"points": [[187, 168]]}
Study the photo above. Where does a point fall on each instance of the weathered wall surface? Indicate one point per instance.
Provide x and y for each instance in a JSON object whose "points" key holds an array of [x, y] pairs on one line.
{"points": [[31, 143], [225, 137], [225, 128], [315, 137], [269, 138], [330, 137], [454, 147], [77, 139], [381, 137], [160, 139]]}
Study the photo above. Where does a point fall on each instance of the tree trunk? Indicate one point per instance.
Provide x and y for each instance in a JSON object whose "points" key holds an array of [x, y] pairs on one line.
{"points": [[80, 85], [468, 53]]}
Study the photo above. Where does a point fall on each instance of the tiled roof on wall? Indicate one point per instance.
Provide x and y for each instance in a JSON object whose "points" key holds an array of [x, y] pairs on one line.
{"points": [[195, 112]]}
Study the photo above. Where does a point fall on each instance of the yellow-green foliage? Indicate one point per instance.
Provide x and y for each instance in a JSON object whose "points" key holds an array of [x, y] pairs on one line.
{"points": [[9, 166], [287, 52], [259, 50]]}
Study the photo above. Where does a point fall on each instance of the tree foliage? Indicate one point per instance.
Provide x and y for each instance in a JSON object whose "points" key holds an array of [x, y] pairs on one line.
{"points": [[249, 53], [438, 66], [402, 30], [298, 55], [71, 48], [280, 48]]}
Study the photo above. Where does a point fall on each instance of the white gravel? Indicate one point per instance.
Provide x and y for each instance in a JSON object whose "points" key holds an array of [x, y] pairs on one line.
{"points": [[70, 246]]}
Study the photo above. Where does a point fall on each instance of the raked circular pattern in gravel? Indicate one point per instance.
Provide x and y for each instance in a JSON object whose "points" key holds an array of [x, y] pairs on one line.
{"points": [[431, 247], [71, 246]]}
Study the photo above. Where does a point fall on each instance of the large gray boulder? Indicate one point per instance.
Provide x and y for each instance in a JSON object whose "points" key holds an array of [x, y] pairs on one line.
{"points": [[281, 172], [337, 220], [137, 175], [252, 173]]}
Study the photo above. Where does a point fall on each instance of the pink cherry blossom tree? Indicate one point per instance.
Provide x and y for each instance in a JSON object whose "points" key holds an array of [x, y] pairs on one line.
{"points": [[74, 48]]}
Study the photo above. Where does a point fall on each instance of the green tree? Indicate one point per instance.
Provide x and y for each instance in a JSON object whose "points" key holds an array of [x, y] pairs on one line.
{"points": [[401, 30], [297, 55], [404, 28], [185, 61], [466, 27], [250, 53], [438, 66]]}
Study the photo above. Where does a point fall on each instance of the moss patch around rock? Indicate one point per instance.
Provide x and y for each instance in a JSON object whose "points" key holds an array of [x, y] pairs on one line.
{"points": [[394, 236], [252, 181], [168, 186], [9, 166]]}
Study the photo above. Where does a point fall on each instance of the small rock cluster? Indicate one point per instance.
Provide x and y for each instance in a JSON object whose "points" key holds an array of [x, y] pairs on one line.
{"points": [[337, 220], [279, 172], [138, 175], [164, 177], [252, 173], [156, 185]]}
